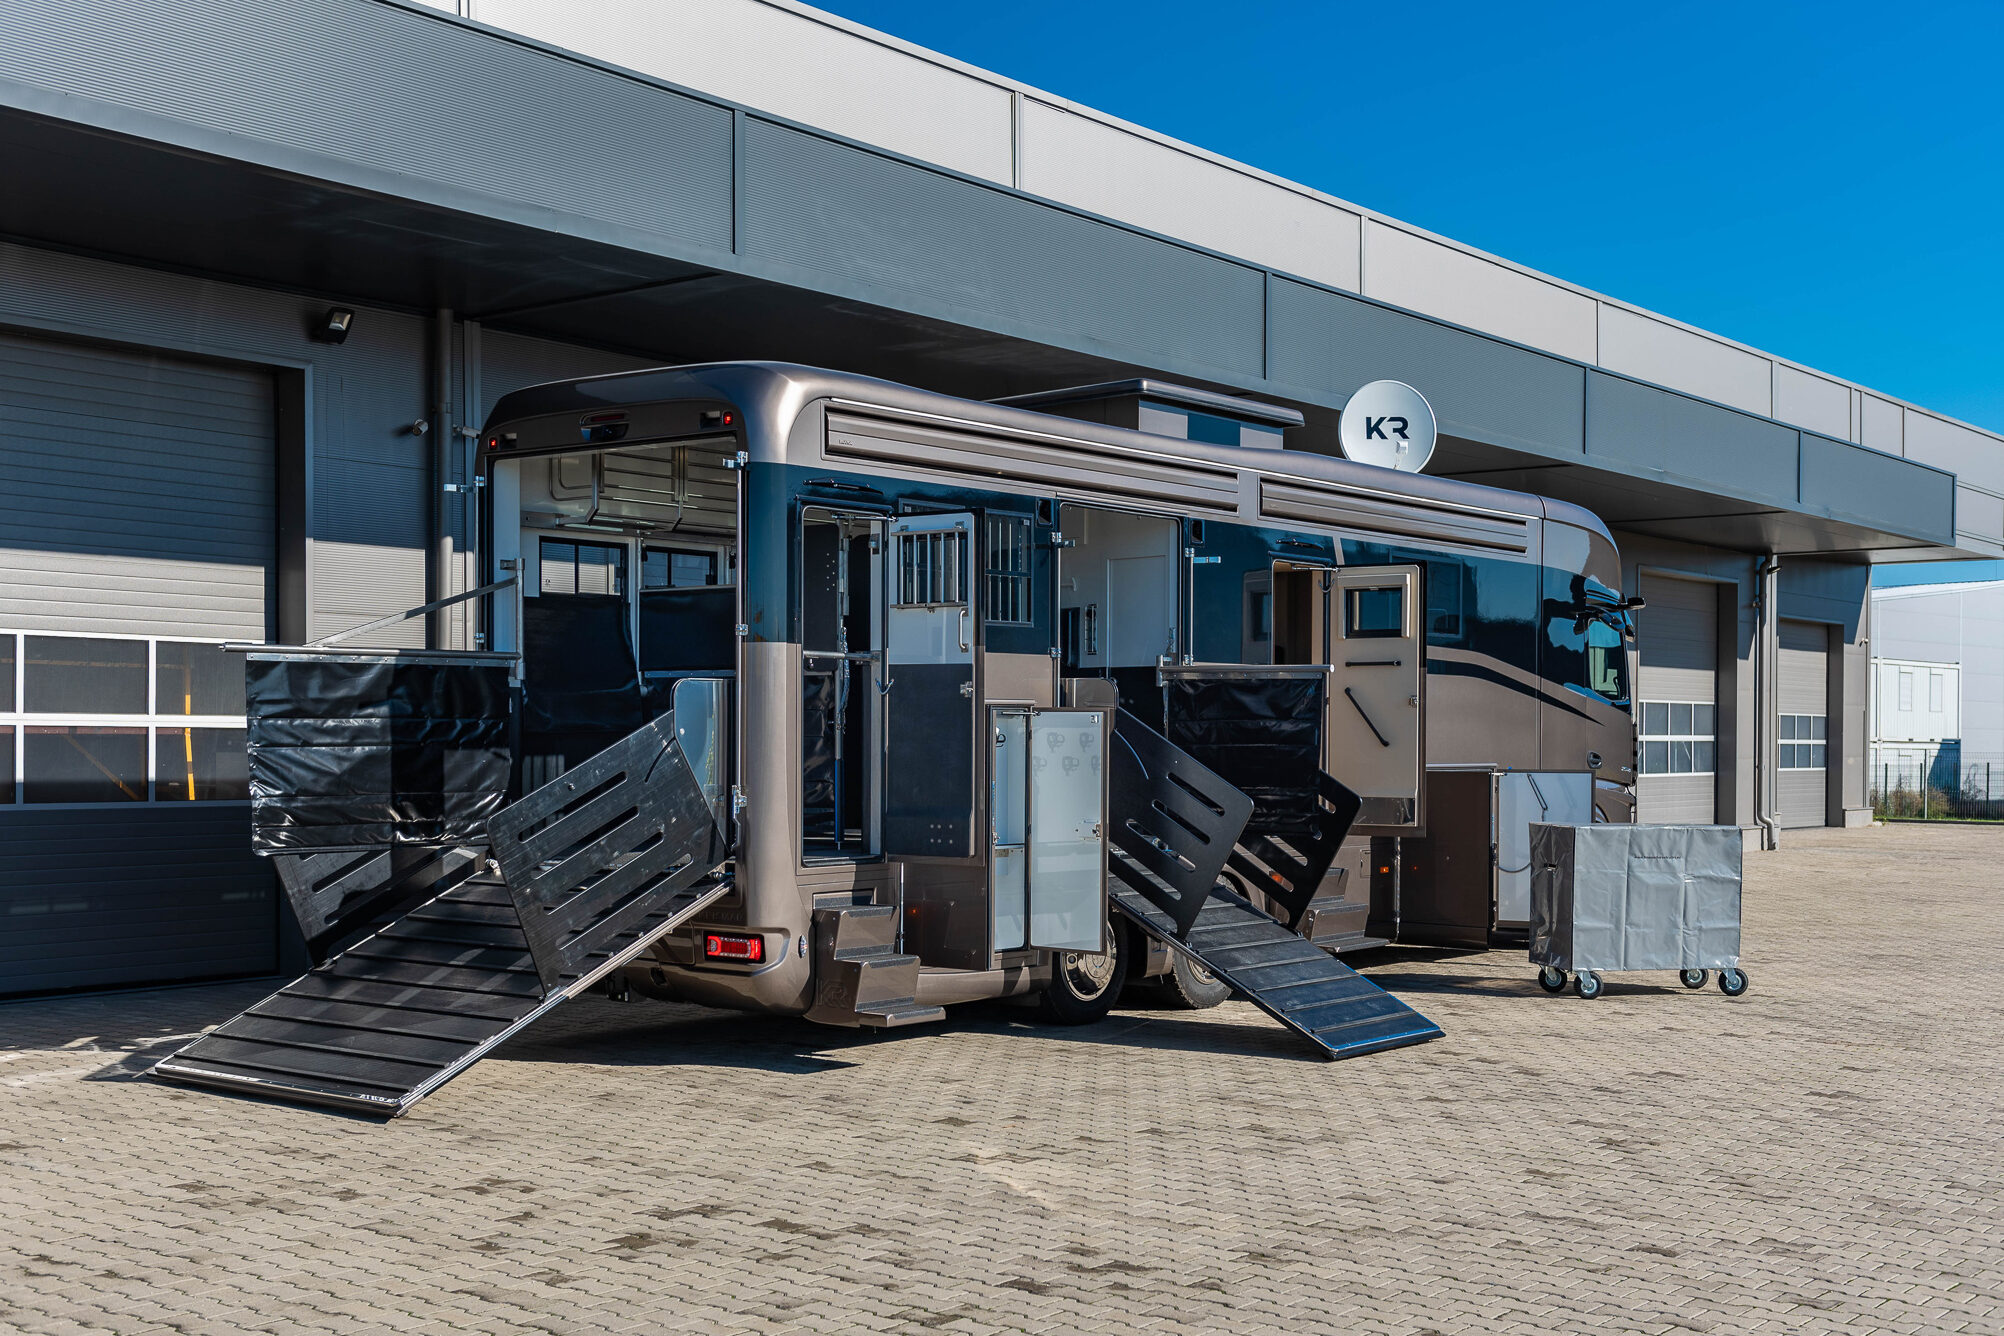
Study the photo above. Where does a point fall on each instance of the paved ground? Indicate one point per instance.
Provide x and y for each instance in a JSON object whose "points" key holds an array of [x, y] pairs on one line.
{"points": [[1824, 1154]]}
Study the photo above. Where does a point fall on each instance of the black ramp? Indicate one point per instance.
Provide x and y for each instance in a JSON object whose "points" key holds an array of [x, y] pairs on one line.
{"points": [[1290, 978]]}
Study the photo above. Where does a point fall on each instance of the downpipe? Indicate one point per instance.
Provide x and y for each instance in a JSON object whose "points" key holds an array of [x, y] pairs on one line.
{"points": [[444, 438], [1766, 653]]}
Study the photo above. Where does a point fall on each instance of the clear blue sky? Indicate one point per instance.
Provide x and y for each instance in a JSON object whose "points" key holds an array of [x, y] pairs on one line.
{"points": [[1823, 181]]}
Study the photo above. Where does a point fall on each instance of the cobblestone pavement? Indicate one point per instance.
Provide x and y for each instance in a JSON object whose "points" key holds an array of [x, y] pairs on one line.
{"points": [[1822, 1155]]}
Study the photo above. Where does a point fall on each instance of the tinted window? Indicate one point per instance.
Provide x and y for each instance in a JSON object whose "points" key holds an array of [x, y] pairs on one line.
{"points": [[75, 675], [1374, 612], [197, 679], [200, 765], [84, 765]]}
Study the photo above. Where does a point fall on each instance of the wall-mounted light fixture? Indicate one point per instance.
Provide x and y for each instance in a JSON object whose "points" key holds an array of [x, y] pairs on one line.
{"points": [[334, 326]]}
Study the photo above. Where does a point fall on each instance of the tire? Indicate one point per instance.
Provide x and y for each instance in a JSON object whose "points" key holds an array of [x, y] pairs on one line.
{"points": [[1691, 978], [1732, 982], [1083, 987], [1588, 985], [1551, 980], [1192, 987]]}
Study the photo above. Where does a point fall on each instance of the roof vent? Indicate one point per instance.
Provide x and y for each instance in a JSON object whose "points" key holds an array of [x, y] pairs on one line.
{"points": [[1180, 411]]}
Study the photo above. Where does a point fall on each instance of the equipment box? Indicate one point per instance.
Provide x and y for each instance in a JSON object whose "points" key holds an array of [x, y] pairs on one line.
{"points": [[1621, 897]]}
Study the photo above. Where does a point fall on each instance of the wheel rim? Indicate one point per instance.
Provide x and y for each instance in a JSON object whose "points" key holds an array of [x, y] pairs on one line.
{"points": [[1199, 971], [1087, 976]]}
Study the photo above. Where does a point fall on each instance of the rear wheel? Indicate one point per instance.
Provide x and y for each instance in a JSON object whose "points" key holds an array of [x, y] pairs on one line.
{"points": [[1083, 986], [1191, 986]]}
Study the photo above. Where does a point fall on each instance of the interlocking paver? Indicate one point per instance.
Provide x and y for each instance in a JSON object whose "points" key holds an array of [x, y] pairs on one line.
{"points": [[1821, 1155]]}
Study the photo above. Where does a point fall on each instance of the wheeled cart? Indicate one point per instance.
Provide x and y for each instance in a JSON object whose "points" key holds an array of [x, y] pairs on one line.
{"points": [[1609, 898]]}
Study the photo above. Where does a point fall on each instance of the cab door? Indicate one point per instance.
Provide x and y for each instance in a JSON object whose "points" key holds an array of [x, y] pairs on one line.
{"points": [[931, 696], [1377, 698]]}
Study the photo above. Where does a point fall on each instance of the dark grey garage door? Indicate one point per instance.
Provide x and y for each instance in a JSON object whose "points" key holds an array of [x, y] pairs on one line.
{"points": [[136, 532], [1677, 686], [1802, 733]]}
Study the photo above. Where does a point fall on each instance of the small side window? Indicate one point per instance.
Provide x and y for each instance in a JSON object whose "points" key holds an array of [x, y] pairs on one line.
{"points": [[1374, 612]]}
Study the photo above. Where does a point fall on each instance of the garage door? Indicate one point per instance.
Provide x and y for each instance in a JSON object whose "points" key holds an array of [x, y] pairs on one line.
{"points": [[1802, 733], [136, 532], [1678, 690]]}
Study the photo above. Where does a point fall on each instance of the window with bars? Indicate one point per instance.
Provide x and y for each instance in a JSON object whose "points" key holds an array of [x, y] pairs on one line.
{"points": [[1006, 563], [1802, 741], [115, 719], [1679, 738], [931, 569]]}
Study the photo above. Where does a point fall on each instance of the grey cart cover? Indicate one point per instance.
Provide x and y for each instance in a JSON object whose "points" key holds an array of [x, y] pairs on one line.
{"points": [[1620, 897]]}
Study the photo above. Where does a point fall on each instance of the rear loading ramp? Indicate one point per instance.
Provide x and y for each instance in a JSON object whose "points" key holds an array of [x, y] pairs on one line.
{"points": [[1175, 826], [600, 864]]}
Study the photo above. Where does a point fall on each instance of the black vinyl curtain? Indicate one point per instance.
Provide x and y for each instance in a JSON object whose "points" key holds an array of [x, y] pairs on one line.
{"points": [[1261, 735], [348, 753]]}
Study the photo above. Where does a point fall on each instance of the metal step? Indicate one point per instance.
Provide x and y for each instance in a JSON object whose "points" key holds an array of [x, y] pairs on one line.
{"points": [[1293, 980], [397, 1015]]}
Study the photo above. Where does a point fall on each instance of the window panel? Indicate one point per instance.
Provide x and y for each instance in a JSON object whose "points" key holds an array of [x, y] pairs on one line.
{"points": [[1702, 758], [1934, 693], [1655, 718], [1817, 724], [1704, 721], [1680, 721], [1787, 722], [7, 641], [1375, 613], [1006, 562], [1819, 755], [1680, 758], [200, 765], [76, 675], [1655, 758], [1906, 688], [6, 764], [678, 568], [73, 764], [196, 679]]}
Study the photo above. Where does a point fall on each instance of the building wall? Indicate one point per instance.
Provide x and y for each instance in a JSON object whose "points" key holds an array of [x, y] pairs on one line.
{"points": [[1962, 626], [824, 71]]}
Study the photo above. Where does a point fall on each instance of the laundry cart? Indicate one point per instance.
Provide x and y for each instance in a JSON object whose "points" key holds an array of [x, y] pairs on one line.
{"points": [[1608, 898]]}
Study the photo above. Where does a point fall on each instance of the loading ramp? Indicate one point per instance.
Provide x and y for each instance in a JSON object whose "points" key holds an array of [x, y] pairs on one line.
{"points": [[1175, 827], [595, 867]]}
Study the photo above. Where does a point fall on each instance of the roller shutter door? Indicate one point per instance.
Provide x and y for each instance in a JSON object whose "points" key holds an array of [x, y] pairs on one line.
{"points": [[1678, 694], [1802, 733], [137, 498]]}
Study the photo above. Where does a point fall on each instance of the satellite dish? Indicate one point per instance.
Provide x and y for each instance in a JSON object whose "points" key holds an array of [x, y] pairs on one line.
{"points": [[1387, 423]]}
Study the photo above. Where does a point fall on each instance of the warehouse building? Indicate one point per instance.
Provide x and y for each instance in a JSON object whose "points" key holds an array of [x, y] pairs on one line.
{"points": [[1938, 688], [265, 268]]}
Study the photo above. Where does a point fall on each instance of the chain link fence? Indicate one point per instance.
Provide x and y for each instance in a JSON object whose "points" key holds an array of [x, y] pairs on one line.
{"points": [[1934, 791]]}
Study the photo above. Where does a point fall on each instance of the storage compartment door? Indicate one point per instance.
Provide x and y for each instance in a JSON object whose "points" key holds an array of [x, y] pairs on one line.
{"points": [[1067, 755], [1377, 714], [929, 780]]}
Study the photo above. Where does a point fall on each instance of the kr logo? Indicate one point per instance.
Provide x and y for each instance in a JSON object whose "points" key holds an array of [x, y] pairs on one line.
{"points": [[1374, 428]]}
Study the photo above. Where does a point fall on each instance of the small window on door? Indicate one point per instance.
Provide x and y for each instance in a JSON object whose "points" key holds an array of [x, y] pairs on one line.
{"points": [[931, 569], [1374, 612], [677, 568], [583, 568]]}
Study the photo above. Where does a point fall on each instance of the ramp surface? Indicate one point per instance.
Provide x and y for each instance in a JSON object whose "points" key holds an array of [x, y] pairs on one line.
{"points": [[400, 1013], [1288, 977]]}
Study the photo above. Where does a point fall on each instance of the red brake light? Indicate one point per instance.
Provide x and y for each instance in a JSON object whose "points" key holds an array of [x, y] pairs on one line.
{"points": [[730, 946]]}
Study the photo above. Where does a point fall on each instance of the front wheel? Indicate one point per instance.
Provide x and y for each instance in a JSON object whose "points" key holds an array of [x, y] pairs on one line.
{"points": [[1732, 982], [1083, 985]]}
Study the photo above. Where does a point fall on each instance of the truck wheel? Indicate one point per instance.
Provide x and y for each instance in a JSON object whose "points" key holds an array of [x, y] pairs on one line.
{"points": [[1192, 987], [1083, 987]]}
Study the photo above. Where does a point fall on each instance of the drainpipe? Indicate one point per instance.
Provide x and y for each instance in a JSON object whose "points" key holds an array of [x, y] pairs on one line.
{"points": [[1766, 653], [444, 441]]}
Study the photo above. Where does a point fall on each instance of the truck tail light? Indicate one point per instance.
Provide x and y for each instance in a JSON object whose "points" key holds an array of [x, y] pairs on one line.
{"points": [[744, 950]]}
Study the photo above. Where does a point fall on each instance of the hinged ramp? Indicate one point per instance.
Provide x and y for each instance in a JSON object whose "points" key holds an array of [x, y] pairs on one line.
{"points": [[1174, 825], [602, 862]]}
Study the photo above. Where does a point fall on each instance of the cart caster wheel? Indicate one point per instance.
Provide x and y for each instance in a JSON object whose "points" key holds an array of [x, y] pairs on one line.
{"points": [[1588, 985], [1551, 980], [1691, 978], [1732, 982]]}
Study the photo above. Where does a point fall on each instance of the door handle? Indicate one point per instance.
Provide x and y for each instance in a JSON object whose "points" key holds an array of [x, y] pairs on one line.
{"points": [[964, 646], [1383, 741]]}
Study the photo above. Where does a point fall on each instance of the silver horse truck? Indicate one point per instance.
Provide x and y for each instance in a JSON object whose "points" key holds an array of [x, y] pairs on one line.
{"points": [[809, 694]]}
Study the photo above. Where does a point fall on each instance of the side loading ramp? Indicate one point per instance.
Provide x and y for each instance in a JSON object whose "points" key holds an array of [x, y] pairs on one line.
{"points": [[594, 868], [1175, 826]]}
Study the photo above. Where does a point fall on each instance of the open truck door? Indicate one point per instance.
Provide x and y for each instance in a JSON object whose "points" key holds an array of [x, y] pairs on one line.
{"points": [[1377, 716], [930, 688]]}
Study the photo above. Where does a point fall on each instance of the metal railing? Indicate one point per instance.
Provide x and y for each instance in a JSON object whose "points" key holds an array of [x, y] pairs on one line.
{"points": [[1929, 790]]}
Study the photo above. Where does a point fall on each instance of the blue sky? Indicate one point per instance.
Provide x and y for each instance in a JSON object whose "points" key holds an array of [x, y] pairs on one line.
{"points": [[1825, 181]]}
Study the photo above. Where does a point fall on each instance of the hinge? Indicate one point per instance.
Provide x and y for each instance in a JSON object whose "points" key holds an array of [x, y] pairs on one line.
{"points": [[738, 460], [479, 481], [1059, 540], [967, 690], [743, 630]]}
